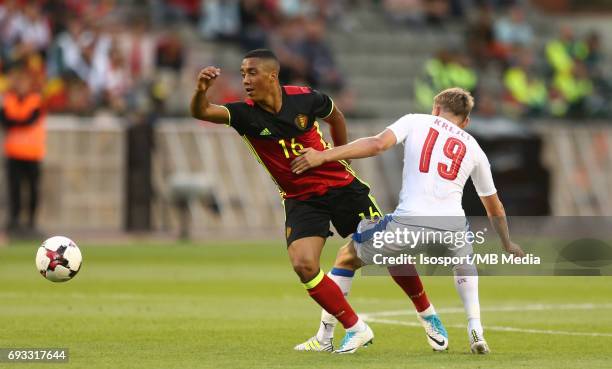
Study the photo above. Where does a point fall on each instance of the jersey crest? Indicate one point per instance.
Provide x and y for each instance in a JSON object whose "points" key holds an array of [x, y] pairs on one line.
{"points": [[301, 121]]}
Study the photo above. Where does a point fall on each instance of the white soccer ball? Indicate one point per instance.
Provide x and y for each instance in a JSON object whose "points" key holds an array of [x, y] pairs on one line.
{"points": [[58, 259]]}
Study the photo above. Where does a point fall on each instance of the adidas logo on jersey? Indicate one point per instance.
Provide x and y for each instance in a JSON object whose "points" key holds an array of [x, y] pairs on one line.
{"points": [[265, 132]]}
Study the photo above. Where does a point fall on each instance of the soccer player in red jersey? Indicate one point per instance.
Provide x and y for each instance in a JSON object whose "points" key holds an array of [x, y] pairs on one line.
{"points": [[276, 122]]}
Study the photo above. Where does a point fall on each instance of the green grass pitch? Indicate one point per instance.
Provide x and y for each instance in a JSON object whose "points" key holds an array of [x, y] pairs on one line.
{"points": [[239, 305]]}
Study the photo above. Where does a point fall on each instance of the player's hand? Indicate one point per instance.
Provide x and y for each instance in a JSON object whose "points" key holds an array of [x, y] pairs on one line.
{"points": [[207, 77], [308, 159], [514, 249]]}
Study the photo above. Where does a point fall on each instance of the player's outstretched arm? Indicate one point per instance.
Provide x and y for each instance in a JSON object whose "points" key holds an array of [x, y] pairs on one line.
{"points": [[200, 107], [337, 127], [497, 216], [361, 148]]}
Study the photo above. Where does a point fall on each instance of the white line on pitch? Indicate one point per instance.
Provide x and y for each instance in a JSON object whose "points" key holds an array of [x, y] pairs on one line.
{"points": [[509, 308], [492, 328]]}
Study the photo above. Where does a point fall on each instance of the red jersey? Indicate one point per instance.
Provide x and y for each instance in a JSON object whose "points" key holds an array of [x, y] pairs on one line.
{"points": [[275, 139]]}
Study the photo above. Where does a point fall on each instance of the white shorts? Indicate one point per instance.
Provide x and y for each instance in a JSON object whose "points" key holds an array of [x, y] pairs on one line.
{"points": [[402, 238]]}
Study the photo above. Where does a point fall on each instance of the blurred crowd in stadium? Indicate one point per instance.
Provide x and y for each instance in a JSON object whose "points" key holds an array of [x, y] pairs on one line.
{"points": [[562, 78], [87, 55]]}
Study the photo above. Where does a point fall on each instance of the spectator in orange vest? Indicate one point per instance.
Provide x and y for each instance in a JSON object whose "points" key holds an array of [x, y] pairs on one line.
{"points": [[23, 119]]}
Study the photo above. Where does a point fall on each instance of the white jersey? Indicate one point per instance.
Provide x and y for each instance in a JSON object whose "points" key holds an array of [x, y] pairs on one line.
{"points": [[438, 159]]}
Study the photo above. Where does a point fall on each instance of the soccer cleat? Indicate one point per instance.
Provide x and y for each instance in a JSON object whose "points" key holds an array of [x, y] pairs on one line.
{"points": [[354, 340], [478, 345], [435, 331], [313, 344]]}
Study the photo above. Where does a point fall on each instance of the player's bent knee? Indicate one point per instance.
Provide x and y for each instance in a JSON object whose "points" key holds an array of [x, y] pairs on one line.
{"points": [[306, 269], [304, 255]]}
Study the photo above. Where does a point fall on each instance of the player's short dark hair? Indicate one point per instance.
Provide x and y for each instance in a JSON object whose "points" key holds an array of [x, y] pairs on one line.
{"points": [[262, 54], [456, 101]]}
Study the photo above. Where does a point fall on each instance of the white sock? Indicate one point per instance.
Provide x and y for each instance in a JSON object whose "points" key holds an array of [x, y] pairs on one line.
{"points": [[358, 327], [474, 323], [344, 280], [427, 312], [466, 283]]}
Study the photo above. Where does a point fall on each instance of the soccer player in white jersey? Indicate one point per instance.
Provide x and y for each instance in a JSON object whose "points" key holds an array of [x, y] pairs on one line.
{"points": [[439, 156]]}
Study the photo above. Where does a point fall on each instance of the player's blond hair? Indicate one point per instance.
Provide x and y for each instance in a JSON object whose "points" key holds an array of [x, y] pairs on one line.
{"points": [[456, 101]]}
